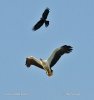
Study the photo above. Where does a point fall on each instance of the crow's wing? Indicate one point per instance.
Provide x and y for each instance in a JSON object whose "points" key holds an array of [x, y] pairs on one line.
{"points": [[38, 24], [45, 13]]}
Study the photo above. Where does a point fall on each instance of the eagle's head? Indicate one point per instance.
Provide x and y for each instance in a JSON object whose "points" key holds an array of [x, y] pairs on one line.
{"points": [[49, 73]]}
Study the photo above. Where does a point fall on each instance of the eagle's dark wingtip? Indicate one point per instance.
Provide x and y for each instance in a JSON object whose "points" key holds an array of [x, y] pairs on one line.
{"points": [[27, 63], [67, 49]]}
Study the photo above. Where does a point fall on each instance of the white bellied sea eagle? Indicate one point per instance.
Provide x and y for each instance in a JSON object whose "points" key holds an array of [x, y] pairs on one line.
{"points": [[51, 61]]}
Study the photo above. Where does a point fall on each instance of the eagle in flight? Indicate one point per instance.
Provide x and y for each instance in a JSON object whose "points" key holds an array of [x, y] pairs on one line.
{"points": [[42, 20], [51, 61]]}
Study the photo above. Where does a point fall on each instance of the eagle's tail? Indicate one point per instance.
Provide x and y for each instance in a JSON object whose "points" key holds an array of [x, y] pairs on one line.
{"points": [[46, 23]]}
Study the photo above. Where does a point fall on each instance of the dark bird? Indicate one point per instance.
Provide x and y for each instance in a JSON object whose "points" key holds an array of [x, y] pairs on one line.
{"points": [[51, 61], [42, 20]]}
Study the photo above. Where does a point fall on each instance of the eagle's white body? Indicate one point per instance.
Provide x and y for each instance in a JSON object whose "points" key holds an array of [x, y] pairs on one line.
{"points": [[46, 67], [44, 63]]}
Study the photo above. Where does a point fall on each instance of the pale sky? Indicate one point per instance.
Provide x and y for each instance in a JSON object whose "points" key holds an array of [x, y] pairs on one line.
{"points": [[71, 23]]}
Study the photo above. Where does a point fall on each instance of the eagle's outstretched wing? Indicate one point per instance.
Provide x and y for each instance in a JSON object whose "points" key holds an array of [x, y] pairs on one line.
{"points": [[33, 61], [57, 53]]}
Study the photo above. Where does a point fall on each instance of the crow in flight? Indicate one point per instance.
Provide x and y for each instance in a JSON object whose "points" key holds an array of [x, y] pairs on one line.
{"points": [[42, 20]]}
